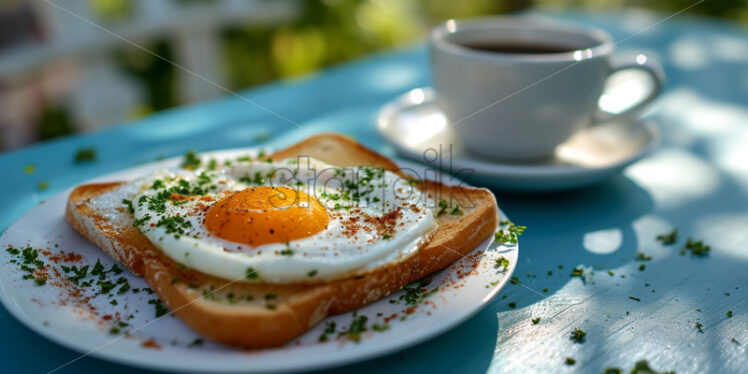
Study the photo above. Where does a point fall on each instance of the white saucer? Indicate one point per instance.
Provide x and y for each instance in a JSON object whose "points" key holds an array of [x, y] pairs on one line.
{"points": [[416, 127]]}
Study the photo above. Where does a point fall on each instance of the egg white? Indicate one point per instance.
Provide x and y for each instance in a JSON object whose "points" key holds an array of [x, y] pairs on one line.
{"points": [[327, 255]]}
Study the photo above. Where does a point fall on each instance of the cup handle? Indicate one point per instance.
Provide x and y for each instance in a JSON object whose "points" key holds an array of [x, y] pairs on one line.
{"points": [[638, 62]]}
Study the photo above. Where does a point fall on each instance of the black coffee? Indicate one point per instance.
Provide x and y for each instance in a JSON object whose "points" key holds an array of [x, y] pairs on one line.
{"points": [[519, 48]]}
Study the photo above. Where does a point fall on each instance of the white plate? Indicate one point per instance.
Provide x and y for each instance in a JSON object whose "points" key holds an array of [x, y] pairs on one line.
{"points": [[71, 325], [416, 127]]}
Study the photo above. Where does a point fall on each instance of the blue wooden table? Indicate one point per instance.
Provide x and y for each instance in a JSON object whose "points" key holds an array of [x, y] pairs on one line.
{"points": [[697, 182]]}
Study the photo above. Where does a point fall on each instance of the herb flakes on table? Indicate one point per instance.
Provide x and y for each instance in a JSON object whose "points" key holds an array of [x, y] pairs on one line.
{"points": [[612, 371], [642, 367], [578, 335], [643, 257], [697, 248], [669, 238], [84, 155]]}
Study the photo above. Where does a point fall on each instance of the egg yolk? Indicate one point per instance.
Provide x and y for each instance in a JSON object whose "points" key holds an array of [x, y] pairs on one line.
{"points": [[265, 214]]}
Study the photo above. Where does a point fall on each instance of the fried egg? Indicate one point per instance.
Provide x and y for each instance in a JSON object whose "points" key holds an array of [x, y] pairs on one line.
{"points": [[283, 221]]}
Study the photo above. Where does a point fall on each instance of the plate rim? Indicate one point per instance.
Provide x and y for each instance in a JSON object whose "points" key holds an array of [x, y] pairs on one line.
{"points": [[151, 359]]}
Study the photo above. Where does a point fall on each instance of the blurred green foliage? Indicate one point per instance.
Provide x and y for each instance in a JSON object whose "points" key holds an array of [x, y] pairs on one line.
{"points": [[157, 75], [328, 32], [54, 122], [333, 31]]}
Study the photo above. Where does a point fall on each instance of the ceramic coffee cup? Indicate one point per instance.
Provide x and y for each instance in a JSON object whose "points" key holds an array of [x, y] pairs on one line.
{"points": [[514, 88]]}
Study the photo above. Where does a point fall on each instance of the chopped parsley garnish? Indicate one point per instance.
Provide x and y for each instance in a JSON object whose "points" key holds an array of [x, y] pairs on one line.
{"points": [[699, 327], [577, 272], [635, 298], [128, 204], [642, 267], [512, 304], [258, 179], [535, 321], [159, 306], [43, 185], [78, 274], [191, 160], [358, 326], [85, 155], [270, 296], [29, 263], [570, 361], [115, 269], [502, 262], [386, 237], [106, 286], [203, 179], [442, 208], [329, 329], [311, 273], [29, 169], [287, 252], [416, 292], [578, 335], [668, 239], [195, 343], [379, 328], [252, 274], [174, 225], [141, 221], [514, 280], [729, 314], [611, 273], [508, 234], [612, 371], [456, 211]]}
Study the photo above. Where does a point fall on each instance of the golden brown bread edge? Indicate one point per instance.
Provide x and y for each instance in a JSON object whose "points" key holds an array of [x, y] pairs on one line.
{"points": [[299, 307]]}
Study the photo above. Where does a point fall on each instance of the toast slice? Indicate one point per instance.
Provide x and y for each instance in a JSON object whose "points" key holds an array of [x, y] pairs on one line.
{"points": [[240, 314]]}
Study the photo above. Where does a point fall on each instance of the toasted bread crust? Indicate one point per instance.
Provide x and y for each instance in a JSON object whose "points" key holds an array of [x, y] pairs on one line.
{"points": [[300, 307]]}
